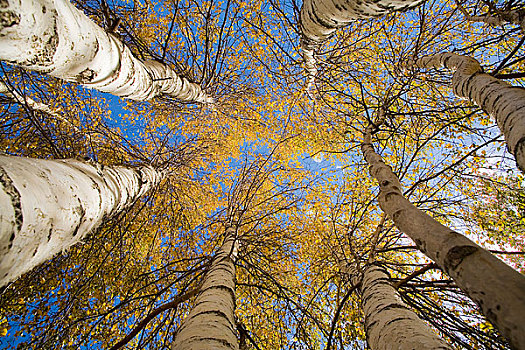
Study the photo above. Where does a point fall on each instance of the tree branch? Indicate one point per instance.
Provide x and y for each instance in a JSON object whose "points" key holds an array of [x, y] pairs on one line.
{"points": [[170, 305]]}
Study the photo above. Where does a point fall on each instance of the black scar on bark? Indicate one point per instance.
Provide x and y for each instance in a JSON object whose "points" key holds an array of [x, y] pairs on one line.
{"points": [[14, 194], [50, 232], [86, 76], [456, 254]]}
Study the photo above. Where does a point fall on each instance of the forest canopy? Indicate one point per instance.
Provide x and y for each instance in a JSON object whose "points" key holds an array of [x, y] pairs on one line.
{"points": [[268, 174]]}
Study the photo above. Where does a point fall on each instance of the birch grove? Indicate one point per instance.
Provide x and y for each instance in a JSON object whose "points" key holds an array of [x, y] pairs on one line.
{"points": [[55, 38], [260, 198], [389, 323], [46, 206], [211, 323], [504, 102], [498, 289]]}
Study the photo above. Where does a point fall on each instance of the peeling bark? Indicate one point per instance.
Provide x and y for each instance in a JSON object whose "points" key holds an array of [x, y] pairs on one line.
{"points": [[46, 206], [389, 323], [506, 103], [498, 289], [320, 18], [211, 324], [55, 38]]}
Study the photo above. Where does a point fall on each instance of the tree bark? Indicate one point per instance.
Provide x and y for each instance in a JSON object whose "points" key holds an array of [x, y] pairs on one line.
{"points": [[506, 103], [34, 105], [46, 206], [498, 289], [211, 324], [320, 18], [55, 38], [389, 323]]}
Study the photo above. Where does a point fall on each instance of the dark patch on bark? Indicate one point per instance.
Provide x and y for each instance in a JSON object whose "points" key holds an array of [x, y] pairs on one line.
{"points": [[519, 153], [8, 19], [34, 252], [14, 194], [456, 255], [421, 245], [86, 76], [491, 316], [81, 212], [50, 232], [77, 227]]}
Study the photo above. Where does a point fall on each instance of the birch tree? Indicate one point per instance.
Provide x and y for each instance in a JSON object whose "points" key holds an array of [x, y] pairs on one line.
{"points": [[319, 19], [32, 104], [210, 323], [389, 323], [506, 103], [47, 206], [55, 38], [494, 286]]}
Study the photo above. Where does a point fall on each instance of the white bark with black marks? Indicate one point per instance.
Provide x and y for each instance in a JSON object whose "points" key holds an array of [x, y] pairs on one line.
{"points": [[321, 18], [389, 323], [211, 324], [498, 289], [504, 102], [46, 206], [55, 38]]}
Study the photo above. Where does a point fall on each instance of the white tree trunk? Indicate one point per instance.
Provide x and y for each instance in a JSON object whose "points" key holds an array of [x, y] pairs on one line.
{"points": [[506, 103], [211, 324], [389, 323], [55, 38], [498, 289], [33, 105], [46, 206], [320, 18]]}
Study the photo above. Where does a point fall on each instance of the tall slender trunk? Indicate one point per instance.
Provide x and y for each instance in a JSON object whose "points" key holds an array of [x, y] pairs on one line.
{"points": [[319, 19], [34, 105], [211, 324], [46, 206], [389, 323], [506, 103], [55, 38], [498, 289]]}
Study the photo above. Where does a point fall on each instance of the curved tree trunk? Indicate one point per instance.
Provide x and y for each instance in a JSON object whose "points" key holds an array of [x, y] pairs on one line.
{"points": [[506, 103], [320, 18], [211, 324], [498, 289], [389, 323], [55, 38], [46, 206]]}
